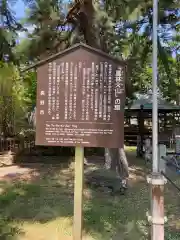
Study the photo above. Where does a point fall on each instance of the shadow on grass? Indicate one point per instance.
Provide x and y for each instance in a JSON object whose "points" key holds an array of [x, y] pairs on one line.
{"points": [[48, 197], [43, 197], [119, 217]]}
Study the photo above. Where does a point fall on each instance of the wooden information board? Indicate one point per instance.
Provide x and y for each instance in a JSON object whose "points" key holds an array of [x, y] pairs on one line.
{"points": [[80, 99]]}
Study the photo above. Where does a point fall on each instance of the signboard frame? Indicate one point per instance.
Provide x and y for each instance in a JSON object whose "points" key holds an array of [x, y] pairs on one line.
{"points": [[101, 77]]}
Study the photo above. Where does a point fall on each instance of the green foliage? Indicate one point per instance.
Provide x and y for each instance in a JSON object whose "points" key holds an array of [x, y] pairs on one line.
{"points": [[30, 83], [171, 89], [8, 30], [121, 28], [6, 78], [12, 87], [47, 18], [22, 51]]}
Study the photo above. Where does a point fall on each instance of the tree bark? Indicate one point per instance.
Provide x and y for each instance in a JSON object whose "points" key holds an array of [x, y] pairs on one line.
{"points": [[115, 159], [7, 116]]}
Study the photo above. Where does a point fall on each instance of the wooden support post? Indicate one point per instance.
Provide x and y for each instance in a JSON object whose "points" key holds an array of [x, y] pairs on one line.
{"points": [[157, 218], [78, 192]]}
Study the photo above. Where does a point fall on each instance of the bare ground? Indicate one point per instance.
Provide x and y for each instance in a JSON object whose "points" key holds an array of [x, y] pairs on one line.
{"points": [[37, 203]]}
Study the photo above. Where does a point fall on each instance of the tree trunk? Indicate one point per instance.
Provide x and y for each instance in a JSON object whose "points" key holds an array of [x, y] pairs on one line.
{"points": [[115, 159], [7, 116]]}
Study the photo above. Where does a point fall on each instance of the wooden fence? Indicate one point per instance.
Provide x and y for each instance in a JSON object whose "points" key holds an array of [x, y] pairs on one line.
{"points": [[15, 145]]}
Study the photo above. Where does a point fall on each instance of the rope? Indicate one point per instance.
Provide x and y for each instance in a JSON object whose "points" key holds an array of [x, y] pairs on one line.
{"points": [[164, 158], [170, 181]]}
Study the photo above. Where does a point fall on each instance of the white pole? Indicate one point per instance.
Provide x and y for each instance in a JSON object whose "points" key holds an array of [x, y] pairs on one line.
{"points": [[155, 85], [156, 179]]}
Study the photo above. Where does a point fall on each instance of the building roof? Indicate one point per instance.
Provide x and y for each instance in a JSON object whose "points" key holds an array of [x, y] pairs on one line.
{"points": [[145, 100]]}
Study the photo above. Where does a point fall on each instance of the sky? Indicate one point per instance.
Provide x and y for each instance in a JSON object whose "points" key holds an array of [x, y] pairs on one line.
{"points": [[19, 9], [19, 12]]}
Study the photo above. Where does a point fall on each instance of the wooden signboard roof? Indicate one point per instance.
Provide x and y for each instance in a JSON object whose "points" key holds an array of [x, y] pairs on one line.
{"points": [[74, 48]]}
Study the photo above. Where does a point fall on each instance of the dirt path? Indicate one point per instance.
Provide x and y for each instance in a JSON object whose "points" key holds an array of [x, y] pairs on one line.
{"points": [[13, 170]]}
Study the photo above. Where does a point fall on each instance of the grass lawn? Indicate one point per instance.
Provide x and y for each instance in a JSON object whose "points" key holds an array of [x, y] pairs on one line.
{"points": [[39, 206]]}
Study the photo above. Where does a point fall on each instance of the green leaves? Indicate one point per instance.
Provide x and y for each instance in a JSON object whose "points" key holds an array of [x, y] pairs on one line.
{"points": [[7, 72], [8, 30], [30, 82], [122, 28]]}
